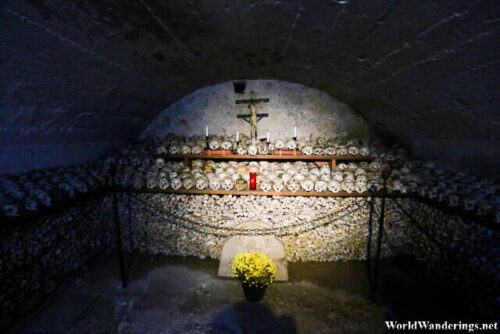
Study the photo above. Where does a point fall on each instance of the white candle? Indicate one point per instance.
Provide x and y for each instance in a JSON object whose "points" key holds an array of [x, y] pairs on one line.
{"points": [[295, 131], [206, 131], [268, 137], [237, 136]]}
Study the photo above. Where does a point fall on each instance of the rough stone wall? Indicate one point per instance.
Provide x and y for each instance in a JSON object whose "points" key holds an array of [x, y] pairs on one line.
{"points": [[312, 111], [94, 73], [36, 254]]}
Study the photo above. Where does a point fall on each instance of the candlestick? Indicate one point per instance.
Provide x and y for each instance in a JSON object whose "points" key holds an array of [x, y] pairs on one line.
{"points": [[268, 137], [237, 136], [295, 132], [206, 131]]}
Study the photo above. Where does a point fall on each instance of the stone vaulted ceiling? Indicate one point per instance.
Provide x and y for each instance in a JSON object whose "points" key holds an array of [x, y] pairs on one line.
{"points": [[79, 76]]}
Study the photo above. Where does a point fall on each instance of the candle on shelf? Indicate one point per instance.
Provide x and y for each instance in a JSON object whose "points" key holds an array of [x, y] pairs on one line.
{"points": [[268, 137], [206, 131], [252, 182], [294, 132], [237, 136]]}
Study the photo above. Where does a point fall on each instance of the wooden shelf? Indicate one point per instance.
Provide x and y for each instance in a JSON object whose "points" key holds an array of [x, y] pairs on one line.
{"points": [[258, 193], [329, 158], [267, 157]]}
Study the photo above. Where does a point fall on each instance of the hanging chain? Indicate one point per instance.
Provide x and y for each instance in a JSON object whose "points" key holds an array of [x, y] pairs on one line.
{"points": [[204, 228]]}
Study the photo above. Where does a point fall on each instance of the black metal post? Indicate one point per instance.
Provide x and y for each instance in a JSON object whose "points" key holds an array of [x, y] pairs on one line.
{"points": [[118, 229], [369, 243], [385, 175]]}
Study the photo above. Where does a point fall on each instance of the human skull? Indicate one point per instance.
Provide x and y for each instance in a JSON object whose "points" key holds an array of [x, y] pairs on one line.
{"points": [[321, 141], [291, 145], [265, 184], [293, 185], [453, 200], [307, 184], [348, 176], [329, 150], [201, 183], [496, 215], [307, 150], [342, 150], [278, 185], [325, 170], [151, 182], [360, 187], [186, 149], [214, 144], [227, 183], [469, 204], [80, 186], [163, 183], [262, 148], [176, 183], [364, 151], [318, 150], [241, 150], [286, 177], [320, 185], [234, 176], [353, 150], [483, 208], [138, 182], [280, 144], [361, 178], [31, 204], [214, 183], [11, 210], [161, 150], [252, 149], [241, 184], [433, 193], [338, 176], [197, 149], [188, 183], [347, 186], [334, 186], [160, 163], [226, 145], [174, 149]]}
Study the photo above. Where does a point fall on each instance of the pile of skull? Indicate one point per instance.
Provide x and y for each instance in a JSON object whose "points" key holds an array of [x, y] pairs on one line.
{"points": [[234, 175], [172, 144], [43, 188], [423, 179], [138, 168]]}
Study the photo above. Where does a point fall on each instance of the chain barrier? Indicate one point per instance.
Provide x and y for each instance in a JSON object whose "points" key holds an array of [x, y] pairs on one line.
{"points": [[229, 231]]}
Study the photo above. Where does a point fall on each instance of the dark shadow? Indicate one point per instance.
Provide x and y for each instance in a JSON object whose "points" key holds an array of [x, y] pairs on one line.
{"points": [[248, 317]]}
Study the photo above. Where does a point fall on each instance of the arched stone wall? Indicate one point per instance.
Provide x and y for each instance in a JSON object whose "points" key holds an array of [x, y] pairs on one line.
{"points": [[312, 111]]}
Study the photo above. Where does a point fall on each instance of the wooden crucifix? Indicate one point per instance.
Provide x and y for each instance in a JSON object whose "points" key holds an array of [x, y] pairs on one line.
{"points": [[253, 117]]}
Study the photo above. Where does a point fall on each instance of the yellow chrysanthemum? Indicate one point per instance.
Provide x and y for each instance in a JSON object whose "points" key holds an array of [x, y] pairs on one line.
{"points": [[254, 268]]}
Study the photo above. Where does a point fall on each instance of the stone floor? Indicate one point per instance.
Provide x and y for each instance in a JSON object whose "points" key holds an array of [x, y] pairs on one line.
{"points": [[183, 295]]}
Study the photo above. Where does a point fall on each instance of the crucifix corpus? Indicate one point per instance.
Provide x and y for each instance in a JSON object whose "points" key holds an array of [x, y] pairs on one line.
{"points": [[253, 118]]}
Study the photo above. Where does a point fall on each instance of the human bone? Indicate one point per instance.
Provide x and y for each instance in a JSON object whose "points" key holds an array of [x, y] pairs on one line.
{"points": [[290, 144], [214, 183], [227, 183]]}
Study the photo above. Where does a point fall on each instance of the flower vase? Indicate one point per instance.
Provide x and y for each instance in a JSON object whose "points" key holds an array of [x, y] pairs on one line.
{"points": [[253, 293]]}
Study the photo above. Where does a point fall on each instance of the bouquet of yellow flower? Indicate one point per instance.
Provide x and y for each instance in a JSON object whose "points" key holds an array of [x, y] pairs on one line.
{"points": [[254, 269]]}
